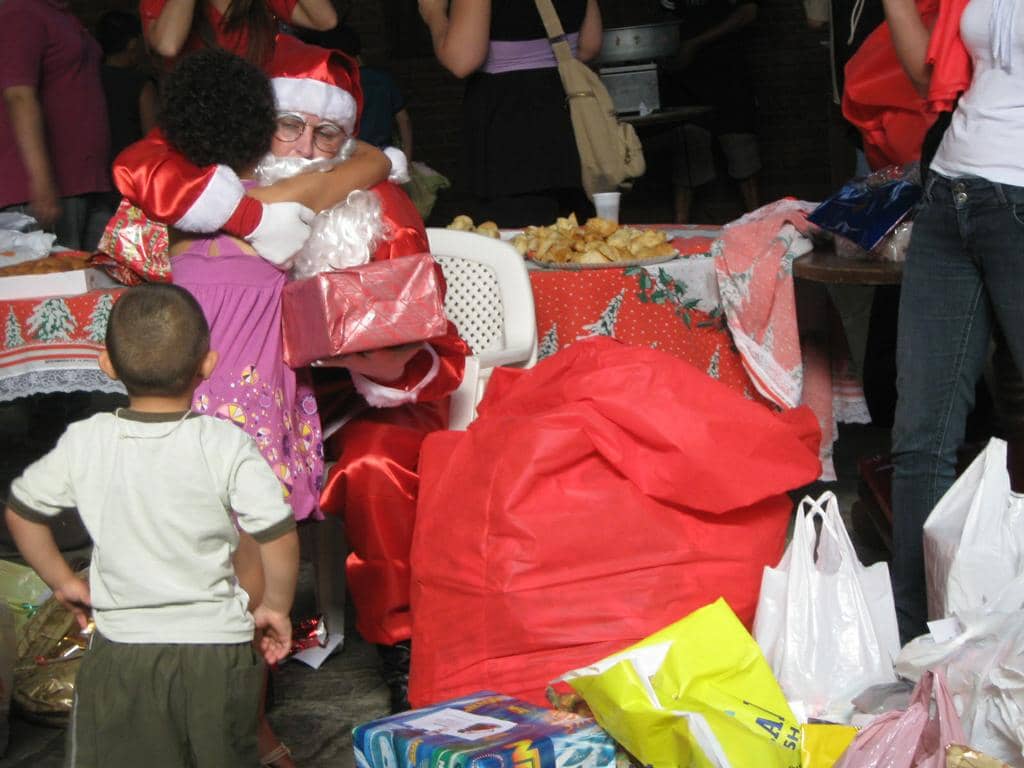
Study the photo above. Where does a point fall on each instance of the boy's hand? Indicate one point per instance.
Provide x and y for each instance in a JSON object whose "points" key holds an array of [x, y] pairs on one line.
{"points": [[74, 595], [273, 634]]}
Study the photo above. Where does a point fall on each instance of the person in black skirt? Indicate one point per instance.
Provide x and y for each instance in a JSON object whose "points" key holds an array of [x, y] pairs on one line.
{"points": [[520, 164]]}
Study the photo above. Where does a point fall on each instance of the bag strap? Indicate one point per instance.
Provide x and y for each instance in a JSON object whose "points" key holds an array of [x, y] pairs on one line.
{"points": [[805, 535], [556, 33]]}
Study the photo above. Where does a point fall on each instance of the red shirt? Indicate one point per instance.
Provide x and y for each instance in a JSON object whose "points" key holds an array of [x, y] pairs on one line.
{"points": [[236, 41], [43, 45]]}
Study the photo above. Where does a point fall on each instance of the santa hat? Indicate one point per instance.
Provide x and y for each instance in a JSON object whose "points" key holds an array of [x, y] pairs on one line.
{"points": [[321, 82]]}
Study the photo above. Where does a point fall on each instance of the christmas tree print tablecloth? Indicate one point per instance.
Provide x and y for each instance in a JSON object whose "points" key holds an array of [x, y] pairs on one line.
{"points": [[52, 344], [644, 307], [674, 307]]}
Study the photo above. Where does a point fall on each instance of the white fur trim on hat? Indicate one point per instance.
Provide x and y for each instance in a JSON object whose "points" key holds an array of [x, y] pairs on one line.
{"points": [[315, 97], [216, 203]]}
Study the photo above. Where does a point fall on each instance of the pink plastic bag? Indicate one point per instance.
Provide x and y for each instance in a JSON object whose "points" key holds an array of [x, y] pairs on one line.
{"points": [[910, 739]]}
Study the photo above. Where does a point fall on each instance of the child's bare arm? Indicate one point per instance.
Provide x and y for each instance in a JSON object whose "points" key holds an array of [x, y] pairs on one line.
{"points": [[248, 568], [36, 544], [321, 190], [280, 560]]}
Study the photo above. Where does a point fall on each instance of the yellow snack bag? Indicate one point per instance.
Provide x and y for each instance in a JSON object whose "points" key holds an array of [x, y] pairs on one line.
{"points": [[821, 745], [697, 693]]}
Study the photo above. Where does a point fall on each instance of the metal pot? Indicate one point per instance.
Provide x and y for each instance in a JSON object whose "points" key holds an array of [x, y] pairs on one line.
{"points": [[640, 43]]}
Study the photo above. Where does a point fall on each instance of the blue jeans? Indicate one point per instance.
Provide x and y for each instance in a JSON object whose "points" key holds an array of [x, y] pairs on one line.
{"points": [[964, 277]]}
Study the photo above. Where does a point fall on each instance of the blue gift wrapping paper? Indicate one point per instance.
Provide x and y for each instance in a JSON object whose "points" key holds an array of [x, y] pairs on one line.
{"points": [[483, 730]]}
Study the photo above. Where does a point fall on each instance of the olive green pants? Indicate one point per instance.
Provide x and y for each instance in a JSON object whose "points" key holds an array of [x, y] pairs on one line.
{"points": [[173, 705]]}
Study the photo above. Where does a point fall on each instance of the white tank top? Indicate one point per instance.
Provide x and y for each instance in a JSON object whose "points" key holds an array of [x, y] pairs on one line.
{"points": [[986, 134]]}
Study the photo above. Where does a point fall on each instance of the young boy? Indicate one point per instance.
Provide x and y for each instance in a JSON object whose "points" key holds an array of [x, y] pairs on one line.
{"points": [[171, 677]]}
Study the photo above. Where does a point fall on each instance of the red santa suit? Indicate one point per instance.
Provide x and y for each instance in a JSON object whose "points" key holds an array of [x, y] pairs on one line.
{"points": [[373, 483]]}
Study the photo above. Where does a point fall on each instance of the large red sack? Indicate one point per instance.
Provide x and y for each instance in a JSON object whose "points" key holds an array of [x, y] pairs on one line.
{"points": [[600, 496]]}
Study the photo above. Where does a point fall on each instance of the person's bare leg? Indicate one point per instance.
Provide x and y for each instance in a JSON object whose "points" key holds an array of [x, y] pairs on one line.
{"points": [[683, 204], [249, 572], [272, 750], [750, 192]]}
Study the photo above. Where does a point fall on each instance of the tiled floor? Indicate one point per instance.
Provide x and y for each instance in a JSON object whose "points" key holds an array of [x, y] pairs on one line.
{"points": [[314, 711]]}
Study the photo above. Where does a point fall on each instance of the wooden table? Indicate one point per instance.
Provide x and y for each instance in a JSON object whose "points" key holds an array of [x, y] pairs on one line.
{"points": [[669, 116], [822, 265], [872, 514]]}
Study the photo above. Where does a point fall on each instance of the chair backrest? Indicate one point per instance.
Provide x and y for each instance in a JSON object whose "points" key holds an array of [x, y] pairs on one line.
{"points": [[489, 296]]}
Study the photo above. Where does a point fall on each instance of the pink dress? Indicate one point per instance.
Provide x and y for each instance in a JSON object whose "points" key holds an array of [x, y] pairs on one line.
{"points": [[240, 294]]}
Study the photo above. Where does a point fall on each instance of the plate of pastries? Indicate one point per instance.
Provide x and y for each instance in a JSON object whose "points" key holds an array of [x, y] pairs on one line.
{"points": [[58, 262], [597, 244]]}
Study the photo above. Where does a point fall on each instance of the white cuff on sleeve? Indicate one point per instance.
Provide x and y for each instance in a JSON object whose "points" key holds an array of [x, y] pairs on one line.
{"points": [[399, 165], [383, 396], [215, 204]]}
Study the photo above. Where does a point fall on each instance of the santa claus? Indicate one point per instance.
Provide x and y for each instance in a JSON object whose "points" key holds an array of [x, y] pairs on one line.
{"points": [[373, 483]]}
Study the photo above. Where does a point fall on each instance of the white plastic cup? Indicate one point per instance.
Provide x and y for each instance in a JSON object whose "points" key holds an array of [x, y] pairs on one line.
{"points": [[607, 205]]}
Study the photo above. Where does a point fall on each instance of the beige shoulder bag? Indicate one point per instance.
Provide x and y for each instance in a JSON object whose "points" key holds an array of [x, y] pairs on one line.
{"points": [[610, 152]]}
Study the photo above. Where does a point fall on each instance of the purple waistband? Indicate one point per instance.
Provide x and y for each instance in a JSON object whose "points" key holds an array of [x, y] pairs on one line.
{"points": [[514, 55]]}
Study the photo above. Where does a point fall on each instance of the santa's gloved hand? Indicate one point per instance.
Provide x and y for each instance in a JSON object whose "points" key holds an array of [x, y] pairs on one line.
{"points": [[281, 232]]}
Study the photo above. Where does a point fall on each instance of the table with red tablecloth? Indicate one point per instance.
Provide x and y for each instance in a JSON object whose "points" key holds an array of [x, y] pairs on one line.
{"points": [[673, 306], [52, 344]]}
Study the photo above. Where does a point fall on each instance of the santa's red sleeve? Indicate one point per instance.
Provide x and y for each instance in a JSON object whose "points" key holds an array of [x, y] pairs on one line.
{"points": [[436, 370], [168, 188]]}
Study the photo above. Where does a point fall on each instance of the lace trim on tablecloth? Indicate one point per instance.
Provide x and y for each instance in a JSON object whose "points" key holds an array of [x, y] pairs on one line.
{"points": [[57, 380]]}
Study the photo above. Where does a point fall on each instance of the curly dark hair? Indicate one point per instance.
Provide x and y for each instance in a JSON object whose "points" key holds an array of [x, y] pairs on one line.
{"points": [[218, 109]]}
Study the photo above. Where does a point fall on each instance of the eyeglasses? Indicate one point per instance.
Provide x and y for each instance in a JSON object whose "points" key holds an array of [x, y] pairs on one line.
{"points": [[327, 136]]}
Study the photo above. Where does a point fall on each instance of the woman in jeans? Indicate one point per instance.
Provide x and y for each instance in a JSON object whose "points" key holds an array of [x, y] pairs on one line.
{"points": [[964, 276]]}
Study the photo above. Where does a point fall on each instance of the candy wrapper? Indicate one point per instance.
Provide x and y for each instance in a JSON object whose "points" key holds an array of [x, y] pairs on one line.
{"points": [[136, 247], [958, 756], [23, 591], [376, 305], [50, 651], [309, 633], [865, 210]]}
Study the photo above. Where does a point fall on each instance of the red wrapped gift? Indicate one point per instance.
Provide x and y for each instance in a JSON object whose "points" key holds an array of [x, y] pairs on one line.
{"points": [[137, 247], [376, 305]]}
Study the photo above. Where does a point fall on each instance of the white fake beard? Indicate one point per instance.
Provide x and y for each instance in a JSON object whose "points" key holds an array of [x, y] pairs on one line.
{"points": [[343, 236], [272, 168]]}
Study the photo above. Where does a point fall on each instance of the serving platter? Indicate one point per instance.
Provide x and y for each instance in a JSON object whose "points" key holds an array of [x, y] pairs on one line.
{"points": [[575, 266]]}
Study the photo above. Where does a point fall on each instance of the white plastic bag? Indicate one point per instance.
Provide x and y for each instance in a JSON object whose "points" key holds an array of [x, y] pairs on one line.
{"points": [[828, 625], [984, 669], [973, 543]]}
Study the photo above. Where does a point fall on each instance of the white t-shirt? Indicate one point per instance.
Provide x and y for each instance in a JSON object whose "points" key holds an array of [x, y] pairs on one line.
{"points": [[156, 493], [984, 136]]}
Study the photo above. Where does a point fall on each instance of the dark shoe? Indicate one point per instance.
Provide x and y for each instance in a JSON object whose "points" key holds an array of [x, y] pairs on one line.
{"points": [[394, 668]]}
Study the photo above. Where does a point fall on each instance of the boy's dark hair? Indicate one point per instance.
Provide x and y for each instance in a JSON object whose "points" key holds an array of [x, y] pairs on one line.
{"points": [[115, 30], [157, 337], [218, 109]]}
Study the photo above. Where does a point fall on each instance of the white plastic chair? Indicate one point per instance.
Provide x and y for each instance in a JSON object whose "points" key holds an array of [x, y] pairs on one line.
{"points": [[491, 303]]}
